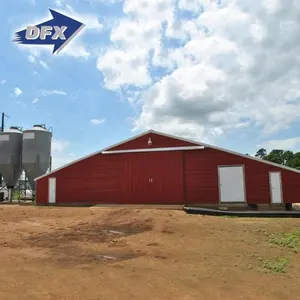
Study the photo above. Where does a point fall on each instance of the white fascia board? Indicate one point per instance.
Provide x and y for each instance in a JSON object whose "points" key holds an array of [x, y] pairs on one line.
{"points": [[154, 149]]}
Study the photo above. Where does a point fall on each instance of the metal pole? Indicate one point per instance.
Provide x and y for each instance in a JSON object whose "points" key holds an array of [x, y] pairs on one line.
{"points": [[2, 129], [2, 122]]}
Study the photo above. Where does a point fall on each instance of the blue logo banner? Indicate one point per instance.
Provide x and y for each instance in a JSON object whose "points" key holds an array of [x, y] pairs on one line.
{"points": [[58, 31]]}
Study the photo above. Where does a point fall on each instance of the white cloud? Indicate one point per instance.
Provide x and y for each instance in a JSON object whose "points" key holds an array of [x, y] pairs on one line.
{"points": [[59, 145], [160, 10], [90, 20], [44, 65], [238, 65], [97, 121], [76, 49], [35, 100], [59, 3], [61, 154], [197, 5], [3, 81], [46, 93], [31, 59], [124, 68], [61, 159], [17, 92], [285, 144]]}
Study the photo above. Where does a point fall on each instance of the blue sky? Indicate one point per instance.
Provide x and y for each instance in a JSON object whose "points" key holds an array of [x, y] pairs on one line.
{"points": [[222, 72]]}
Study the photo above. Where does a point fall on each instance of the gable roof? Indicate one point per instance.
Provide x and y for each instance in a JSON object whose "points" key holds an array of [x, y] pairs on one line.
{"points": [[173, 137]]}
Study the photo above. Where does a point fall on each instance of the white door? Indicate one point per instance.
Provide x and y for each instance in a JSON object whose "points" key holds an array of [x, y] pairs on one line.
{"points": [[275, 186], [52, 190], [232, 184]]}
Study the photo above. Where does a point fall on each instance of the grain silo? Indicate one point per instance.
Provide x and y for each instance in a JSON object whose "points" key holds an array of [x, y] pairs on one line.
{"points": [[10, 156], [36, 152]]}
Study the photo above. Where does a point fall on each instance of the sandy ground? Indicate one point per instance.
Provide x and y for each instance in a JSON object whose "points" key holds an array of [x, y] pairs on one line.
{"points": [[97, 253]]}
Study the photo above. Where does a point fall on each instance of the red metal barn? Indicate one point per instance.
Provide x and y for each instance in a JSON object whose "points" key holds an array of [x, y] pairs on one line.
{"points": [[155, 168]]}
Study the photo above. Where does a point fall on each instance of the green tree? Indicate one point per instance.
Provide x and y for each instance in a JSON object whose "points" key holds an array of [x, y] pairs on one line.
{"points": [[287, 156], [275, 156], [261, 153], [295, 161]]}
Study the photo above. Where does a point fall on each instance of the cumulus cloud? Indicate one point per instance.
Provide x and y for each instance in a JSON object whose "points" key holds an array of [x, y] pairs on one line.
{"points": [[122, 67], [160, 10], [61, 153], [90, 20], [97, 121], [76, 49], [61, 159], [17, 92], [285, 144], [59, 145], [234, 65]]}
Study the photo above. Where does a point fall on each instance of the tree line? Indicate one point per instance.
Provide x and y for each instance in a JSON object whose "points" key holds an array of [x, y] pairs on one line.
{"points": [[283, 157]]}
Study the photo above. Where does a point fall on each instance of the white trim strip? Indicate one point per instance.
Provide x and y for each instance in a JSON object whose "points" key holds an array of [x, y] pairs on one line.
{"points": [[154, 149]]}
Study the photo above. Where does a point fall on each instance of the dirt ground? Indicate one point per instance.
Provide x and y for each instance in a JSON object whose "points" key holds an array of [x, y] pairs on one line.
{"points": [[112, 253]]}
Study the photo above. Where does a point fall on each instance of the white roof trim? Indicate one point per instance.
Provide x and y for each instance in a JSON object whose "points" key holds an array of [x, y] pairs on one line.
{"points": [[153, 149], [174, 137], [234, 153]]}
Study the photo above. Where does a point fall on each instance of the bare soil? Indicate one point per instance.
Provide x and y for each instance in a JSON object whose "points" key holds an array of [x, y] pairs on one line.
{"points": [[112, 253]]}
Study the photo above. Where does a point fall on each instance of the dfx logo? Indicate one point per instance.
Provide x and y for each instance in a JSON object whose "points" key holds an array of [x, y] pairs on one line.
{"points": [[59, 31]]}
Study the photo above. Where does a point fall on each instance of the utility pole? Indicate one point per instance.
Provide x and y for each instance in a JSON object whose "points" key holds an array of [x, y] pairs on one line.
{"points": [[2, 129], [2, 122]]}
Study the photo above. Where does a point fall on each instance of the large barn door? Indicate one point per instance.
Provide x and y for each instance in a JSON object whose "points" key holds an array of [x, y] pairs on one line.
{"points": [[232, 184], [157, 178]]}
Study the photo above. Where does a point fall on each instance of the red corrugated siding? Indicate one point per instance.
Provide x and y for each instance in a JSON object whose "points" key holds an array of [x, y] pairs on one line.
{"points": [[166, 171], [119, 179], [99, 179], [201, 178], [42, 191], [124, 178], [158, 141]]}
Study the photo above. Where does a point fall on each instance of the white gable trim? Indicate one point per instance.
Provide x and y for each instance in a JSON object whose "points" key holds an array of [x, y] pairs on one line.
{"points": [[173, 137], [236, 153], [154, 149]]}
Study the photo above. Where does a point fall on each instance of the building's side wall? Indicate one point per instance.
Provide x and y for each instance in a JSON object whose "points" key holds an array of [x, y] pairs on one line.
{"points": [[201, 178], [158, 141], [42, 191], [119, 179]]}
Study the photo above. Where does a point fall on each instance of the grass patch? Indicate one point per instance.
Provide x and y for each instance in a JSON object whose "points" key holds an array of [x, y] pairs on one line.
{"points": [[287, 240], [278, 265]]}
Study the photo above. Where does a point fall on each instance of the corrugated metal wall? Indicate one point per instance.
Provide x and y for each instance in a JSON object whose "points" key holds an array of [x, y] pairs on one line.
{"points": [[133, 178], [179, 177], [201, 178]]}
